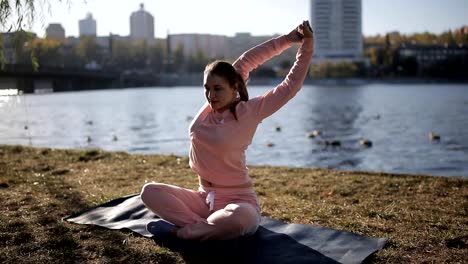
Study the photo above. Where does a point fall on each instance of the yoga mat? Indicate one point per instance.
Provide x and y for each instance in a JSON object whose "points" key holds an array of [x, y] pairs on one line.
{"points": [[274, 242]]}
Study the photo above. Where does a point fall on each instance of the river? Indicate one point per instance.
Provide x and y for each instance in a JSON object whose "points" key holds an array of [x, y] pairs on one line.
{"points": [[396, 118]]}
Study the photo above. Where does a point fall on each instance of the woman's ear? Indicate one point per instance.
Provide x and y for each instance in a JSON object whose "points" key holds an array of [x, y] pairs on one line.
{"points": [[236, 91]]}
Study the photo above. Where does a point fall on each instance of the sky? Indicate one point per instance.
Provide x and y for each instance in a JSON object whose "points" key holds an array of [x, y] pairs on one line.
{"points": [[259, 17]]}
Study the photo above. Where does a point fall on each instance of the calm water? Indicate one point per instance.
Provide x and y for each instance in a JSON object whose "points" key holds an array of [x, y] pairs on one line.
{"points": [[396, 118]]}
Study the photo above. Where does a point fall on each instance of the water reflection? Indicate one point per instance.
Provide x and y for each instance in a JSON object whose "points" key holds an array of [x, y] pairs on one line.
{"points": [[397, 118], [334, 111]]}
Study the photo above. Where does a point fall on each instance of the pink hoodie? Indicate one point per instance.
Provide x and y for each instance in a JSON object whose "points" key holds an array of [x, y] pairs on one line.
{"points": [[218, 141]]}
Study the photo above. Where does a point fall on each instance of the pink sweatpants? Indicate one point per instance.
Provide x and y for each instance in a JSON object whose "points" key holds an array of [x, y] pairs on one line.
{"points": [[235, 211]]}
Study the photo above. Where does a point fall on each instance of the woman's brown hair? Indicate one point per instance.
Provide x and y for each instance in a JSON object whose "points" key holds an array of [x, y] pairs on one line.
{"points": [[225, 70]]}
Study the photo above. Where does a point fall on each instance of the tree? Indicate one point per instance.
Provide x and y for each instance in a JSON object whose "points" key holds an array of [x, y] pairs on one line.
{"points": [[48, 52], [19, 16], [461, 35], [120, 55], [139, 54], [198, 62], [178, 57], [447, 38], [23, 10], [88, 50], [14, 17], [373, 55], [327, 69], [14, 44], [425, 38], [157, 56]]}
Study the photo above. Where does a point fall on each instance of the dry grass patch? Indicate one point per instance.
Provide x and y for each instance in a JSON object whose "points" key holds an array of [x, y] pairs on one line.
{"points": [[425, 218]]}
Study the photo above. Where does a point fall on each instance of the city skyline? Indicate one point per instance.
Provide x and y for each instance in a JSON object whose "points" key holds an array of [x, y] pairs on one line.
{"points": [[379, 17]]}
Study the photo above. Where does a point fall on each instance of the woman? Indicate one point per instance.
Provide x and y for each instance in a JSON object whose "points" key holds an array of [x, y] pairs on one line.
{"points": [[225, 205]]}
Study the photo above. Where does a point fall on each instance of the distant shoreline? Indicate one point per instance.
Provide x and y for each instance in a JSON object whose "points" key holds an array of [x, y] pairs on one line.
{"points": [[360, 81], [377, 172], [192, 80]]}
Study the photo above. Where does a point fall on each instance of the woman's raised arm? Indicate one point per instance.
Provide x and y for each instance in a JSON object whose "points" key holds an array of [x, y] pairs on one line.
{"points": [[274, 99], [259, 54]]}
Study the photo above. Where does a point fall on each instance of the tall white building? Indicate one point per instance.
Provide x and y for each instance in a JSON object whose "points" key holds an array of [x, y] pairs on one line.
{"points": [[337, 27], [141, 24], [87, 26]]}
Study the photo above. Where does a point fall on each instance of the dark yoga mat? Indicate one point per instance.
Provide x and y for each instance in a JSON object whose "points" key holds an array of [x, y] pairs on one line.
{"points": [[274, 242]]}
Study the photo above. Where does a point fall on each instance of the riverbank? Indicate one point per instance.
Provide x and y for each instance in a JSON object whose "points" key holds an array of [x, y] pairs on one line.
{"points": [[424, 218], [196, 81], [357, 81]]}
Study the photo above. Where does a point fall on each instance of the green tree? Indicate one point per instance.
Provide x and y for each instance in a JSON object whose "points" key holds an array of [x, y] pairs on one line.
{"points": [[447, 38], [48, 52], [18, 15], [461, 37], [178, 57], [157, 55], [373, 55], [197, 62], [139, 54], [120, 55], [425, 38], [329, 69], [345, 69], [88, 50], [16, 44], [23, 10]]}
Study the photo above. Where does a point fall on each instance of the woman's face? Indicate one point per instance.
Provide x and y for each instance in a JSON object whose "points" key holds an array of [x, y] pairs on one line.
{"points": [[218, 92]]}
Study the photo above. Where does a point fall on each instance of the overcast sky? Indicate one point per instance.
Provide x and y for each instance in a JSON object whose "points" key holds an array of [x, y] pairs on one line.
{"points": [[260, 17]]}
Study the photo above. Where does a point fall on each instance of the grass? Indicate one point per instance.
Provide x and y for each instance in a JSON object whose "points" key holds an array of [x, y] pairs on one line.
{"points": [[424, 218]]}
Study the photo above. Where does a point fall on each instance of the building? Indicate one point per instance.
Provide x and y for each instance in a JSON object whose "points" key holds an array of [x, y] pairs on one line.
{"points": [[142, 25], [55, 31], [242, 42], [337, 27], [462, 30], [212, 46], [87, 26], [420, 59]]}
